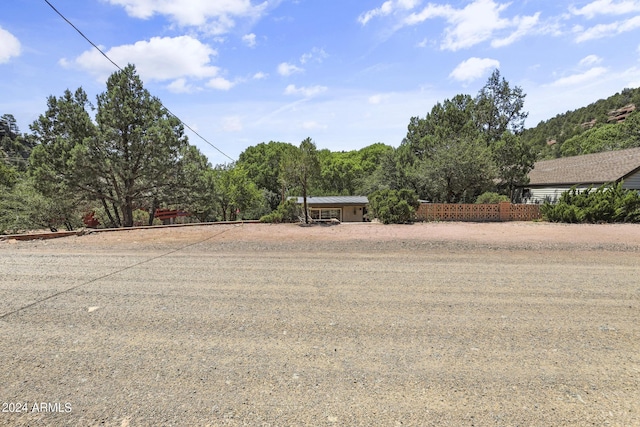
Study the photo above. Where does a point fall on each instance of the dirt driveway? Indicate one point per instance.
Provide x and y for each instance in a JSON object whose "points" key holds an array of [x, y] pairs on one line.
{"points": [[515, 324]]}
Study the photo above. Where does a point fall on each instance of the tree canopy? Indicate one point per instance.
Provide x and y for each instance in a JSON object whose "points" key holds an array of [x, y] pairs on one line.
{"points": [[125, 152], [463, 144], [130, 153], [302, 169]]}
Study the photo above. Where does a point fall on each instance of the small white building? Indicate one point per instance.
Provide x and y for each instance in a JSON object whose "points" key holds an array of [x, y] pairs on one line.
{"points": [[550, 178], [342, 208]]}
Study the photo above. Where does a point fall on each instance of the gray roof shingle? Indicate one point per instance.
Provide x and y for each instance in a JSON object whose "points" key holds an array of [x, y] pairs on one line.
{"points": [[597, 168], [336, 200]]}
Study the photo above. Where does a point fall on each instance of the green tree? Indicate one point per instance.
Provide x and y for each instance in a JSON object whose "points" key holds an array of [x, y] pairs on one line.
{"points": [[8, 176], [499, 108], [606, 137], [65, 125], [132, 150], [393, 206], [8, 126], [339, 172], [457, 171], [443, 158], [490, 197], [235, 194], [390, 173], [189, 187], [287, 211], [379, 169], [451, 119], [264, 165], [514, 159], [23, 208], [302, 169], [15, 148]]}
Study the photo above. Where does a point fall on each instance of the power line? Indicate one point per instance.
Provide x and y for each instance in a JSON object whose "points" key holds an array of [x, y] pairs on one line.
{"points": [[119, 68], [104, 276]]}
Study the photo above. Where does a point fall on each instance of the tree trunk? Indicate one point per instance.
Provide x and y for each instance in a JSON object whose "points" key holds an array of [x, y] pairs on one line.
{"points": [[304, 203], [112, 222], [116, 213], [152, 213], [127, 213]]}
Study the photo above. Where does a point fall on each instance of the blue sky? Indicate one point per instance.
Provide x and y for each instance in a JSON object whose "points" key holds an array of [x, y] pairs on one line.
{"points": [[346, 73]]}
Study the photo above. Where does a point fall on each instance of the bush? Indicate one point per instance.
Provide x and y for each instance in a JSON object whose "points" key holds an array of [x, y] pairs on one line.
{"points": [[393, 206], [141, 218], [23, 208], [491, 198], [288, 211], [608, 203]]}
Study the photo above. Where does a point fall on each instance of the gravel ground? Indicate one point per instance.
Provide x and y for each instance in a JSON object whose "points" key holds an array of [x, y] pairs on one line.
{"points": [[515, 324]]}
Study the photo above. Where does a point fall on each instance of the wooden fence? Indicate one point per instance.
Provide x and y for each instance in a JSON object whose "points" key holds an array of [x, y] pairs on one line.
{"points": [[504, 211]]}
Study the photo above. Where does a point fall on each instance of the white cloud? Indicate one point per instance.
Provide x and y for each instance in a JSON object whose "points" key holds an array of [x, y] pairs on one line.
{"points": [[590, 60], [376, 99], [607, 30], [216, 17], [473, 69], [260, 75], [387, 8], [307, 92], [525, 26], [158, 59], [468, 26], [181, 86], [478, 21], [232, 124], [475, 23], [220, 83], [286, 69], [581, 78], [9, 46], [606, 7], [313, 125], [316, 54], [249, 39]]}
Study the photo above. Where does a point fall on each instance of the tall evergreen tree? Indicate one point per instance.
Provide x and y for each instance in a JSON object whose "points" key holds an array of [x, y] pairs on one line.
{"points": [[499, 108], [302, 168], [132, 150]]}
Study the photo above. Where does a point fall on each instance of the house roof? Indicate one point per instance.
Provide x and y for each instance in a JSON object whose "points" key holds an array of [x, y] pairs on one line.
{"points": [[597, 168], [335, 200]]}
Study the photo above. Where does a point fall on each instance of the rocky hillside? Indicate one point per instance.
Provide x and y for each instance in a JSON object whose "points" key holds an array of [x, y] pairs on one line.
{"points": [[606, 124]]}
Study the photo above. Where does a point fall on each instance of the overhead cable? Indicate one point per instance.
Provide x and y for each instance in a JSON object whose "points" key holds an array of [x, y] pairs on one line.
{"points": [[119, 68]]}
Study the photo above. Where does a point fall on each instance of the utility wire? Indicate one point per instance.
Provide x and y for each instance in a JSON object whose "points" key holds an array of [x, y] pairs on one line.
{"points": [[119, 68], [104, 276]]}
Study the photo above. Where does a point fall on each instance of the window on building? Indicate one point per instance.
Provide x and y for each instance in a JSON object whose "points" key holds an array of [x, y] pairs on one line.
{"points": [[326, 214]]}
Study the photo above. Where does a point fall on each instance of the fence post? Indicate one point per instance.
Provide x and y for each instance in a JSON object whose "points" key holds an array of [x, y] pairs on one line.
{"points": [[505, 211]]}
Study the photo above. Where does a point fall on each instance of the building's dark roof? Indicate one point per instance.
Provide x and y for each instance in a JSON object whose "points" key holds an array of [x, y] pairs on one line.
{"points": [[335, 200], [597, 168]]}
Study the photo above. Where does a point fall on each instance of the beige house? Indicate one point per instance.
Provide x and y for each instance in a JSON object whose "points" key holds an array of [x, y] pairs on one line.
{"points": [[342, 208], [550, 178]]}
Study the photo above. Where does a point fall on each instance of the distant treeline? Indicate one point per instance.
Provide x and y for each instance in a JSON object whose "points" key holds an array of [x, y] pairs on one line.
{"points": [[129, 157]]}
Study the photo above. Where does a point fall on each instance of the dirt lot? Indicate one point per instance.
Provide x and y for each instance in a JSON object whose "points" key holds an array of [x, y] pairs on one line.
{"points": [[515, 324]]}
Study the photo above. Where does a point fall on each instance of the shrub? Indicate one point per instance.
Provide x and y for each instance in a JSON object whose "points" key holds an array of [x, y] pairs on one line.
{"points": [[393, 206], [607, 203], [491, 198], [140, 217], [288, 211]]}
